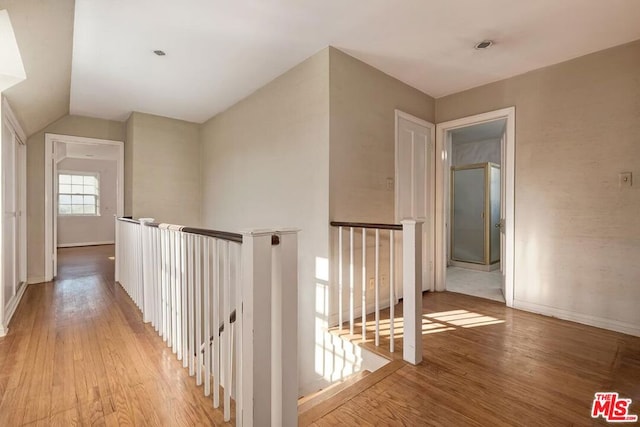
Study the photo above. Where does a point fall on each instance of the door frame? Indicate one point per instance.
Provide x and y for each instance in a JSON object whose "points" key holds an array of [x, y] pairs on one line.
{"points": [[429, 223], [443, 166], [50, 169]]}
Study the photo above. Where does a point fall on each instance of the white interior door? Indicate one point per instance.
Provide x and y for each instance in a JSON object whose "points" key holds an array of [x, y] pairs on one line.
{"points": [[9, 217], [415, 184]]}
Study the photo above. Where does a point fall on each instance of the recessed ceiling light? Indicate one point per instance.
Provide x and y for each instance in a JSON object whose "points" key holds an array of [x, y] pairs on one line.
{"points": [[159, 52], [484, 44]]}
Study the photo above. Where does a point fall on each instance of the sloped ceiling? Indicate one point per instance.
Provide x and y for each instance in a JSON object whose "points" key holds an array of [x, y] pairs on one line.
{"points": [[44, 32], [218, 52]]}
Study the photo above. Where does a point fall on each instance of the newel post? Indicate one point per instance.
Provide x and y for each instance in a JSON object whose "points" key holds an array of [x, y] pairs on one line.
{"points": [[412, 290], [255, 390], [284, 346]]}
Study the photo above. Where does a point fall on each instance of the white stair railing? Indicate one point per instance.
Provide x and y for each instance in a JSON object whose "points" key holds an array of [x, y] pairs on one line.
{"points": [[407, 237], [204, 292]]}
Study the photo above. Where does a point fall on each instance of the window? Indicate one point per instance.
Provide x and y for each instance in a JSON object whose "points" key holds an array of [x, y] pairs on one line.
{"points": [[78, 193]]}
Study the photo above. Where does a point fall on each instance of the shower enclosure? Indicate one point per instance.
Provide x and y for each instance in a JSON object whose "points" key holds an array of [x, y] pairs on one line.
{"points": [[475, 215]]}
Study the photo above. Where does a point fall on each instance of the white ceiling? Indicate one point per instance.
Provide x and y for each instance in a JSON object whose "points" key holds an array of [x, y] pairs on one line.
{"points": [[479, 132], [218, 51], [87, 151]]}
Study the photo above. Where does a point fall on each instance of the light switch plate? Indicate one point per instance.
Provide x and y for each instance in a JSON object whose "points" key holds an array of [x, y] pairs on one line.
{"points": [[624, 179]]}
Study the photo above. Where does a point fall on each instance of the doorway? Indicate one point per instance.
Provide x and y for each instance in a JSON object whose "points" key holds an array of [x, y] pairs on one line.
{"points": [[474, 206], [84, 190]]}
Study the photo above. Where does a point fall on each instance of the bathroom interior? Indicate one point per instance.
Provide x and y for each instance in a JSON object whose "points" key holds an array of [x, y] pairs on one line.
{"points": [[474, 238]]}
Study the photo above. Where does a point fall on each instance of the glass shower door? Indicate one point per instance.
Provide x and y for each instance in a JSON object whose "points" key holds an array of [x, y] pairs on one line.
{"points": [[468, 228]]}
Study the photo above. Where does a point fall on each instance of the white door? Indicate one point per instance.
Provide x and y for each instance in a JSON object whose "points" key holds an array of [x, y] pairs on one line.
{"points": [[9, 217], [415, 184]]}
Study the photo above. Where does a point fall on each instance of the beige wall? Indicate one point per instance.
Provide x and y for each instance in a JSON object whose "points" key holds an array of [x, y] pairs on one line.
{"points": [[128, 166], [265, 163], [67, 125], [363, 101], [78, 230], [162, 169], [577, 234]]}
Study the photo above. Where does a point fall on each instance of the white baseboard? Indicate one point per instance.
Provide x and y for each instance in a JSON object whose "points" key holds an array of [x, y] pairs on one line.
{"points": [[13, 304], [34, 280], [73, 245], [586, 319]]}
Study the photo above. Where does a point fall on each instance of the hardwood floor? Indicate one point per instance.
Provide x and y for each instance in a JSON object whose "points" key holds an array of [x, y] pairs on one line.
{"points": [[77, 353], [488, 365]]}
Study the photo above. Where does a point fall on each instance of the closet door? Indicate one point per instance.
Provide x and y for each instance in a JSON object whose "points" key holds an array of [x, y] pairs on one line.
{"points": [[9, 217]]}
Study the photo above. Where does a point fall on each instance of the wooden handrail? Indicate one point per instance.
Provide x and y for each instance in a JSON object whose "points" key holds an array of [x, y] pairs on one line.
{"points": [[367, 225], [125, 219], [223, 235]]}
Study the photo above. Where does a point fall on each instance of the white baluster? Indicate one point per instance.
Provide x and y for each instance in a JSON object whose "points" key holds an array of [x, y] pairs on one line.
{"points": [[364, 284], [392, 291], [226, 304], [199, 286], [352, 295], [216, 323], [237, 333], [178, 299], [190, 311], [377, 287], [184, 284], [165, 284], [207, 317], [340, 290]]}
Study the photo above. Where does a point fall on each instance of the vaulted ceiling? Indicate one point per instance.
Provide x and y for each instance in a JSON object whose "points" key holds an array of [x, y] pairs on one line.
{"points": [[44, 32], [218, 52]]}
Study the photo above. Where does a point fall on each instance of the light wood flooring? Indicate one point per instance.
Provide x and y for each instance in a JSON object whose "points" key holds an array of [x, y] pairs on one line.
{"points": [[488, 365], [77, 353]]}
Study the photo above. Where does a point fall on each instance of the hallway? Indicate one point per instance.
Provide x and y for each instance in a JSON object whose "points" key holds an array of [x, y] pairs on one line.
{"points": [[77, 353]]}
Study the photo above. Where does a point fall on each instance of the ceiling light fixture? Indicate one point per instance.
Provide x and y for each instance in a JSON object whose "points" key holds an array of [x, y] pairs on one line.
{"points": [[485, 44], [159, 52]]}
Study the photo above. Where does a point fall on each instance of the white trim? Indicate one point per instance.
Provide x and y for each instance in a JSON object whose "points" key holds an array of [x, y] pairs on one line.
{"points": [[50, 202], [442, 182], [429, 223], [11, 118], [586, 319], [13, 305], [36, 280], [74, 245]]}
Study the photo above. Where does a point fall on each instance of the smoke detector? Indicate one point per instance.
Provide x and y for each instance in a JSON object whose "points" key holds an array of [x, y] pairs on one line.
{"points": [[485, 44]]}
